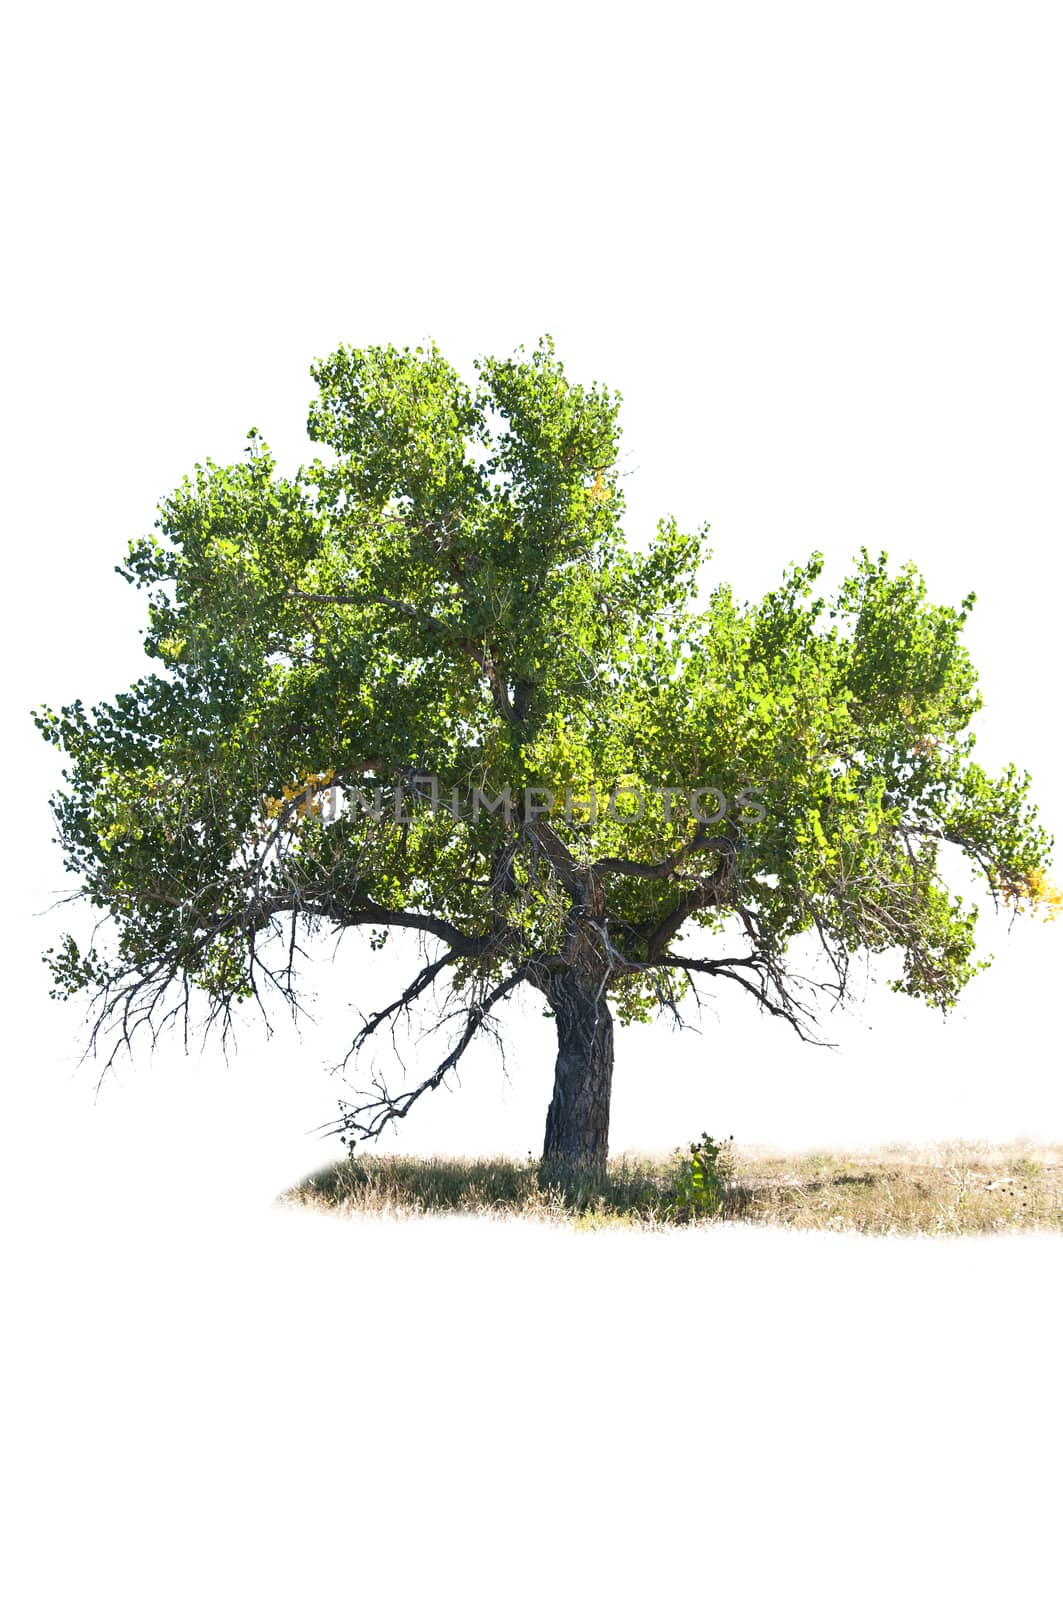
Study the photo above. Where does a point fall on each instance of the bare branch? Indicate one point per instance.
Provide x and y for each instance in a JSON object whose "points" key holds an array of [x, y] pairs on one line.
{"points": [[368, 1118], [785, 1006], [413, 991]]}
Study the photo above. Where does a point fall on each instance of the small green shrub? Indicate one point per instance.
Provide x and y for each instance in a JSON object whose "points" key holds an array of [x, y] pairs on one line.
{"points": [[701, 1180]]}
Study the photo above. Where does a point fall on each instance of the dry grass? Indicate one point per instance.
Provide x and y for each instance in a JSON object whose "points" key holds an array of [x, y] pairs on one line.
{"points": [[633, 1192], [957, 1188]]}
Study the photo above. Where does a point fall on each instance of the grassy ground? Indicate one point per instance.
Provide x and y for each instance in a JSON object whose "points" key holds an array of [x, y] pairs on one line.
{"points": [[942, 1189]]}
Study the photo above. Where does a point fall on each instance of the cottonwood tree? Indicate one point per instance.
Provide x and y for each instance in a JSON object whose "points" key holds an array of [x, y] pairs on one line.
{"points": [[559, 765]]}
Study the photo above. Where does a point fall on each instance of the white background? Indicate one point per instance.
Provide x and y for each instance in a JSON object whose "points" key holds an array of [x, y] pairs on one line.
{"points": [[817, 249]]}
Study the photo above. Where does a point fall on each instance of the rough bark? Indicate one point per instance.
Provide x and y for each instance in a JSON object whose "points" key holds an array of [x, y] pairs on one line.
{"points": [[577, 1123]]}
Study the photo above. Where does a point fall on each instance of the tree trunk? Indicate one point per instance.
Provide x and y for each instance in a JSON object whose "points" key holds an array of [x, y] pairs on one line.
{"points": [[577, 1124]]}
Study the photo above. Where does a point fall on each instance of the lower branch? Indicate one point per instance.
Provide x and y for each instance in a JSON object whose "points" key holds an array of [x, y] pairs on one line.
{"points": [[368, 1118], [758, 980]]}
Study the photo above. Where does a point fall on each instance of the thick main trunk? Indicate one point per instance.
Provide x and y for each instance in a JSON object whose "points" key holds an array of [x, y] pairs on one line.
{"points": [[577, 1124]]}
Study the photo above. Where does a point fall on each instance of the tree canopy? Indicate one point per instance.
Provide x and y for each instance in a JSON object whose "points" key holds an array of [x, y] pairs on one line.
{"points": [[560, 762]]}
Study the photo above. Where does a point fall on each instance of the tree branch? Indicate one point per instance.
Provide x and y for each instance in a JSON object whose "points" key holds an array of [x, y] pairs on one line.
{"points": [[367, 912], [560, 857], [368, 1119], [699, 840], [424, 980], [786, 1007], [707, 891]]}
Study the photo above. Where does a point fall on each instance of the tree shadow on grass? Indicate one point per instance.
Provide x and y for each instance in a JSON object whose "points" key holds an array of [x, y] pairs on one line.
{"points": [[623, 1190]]}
